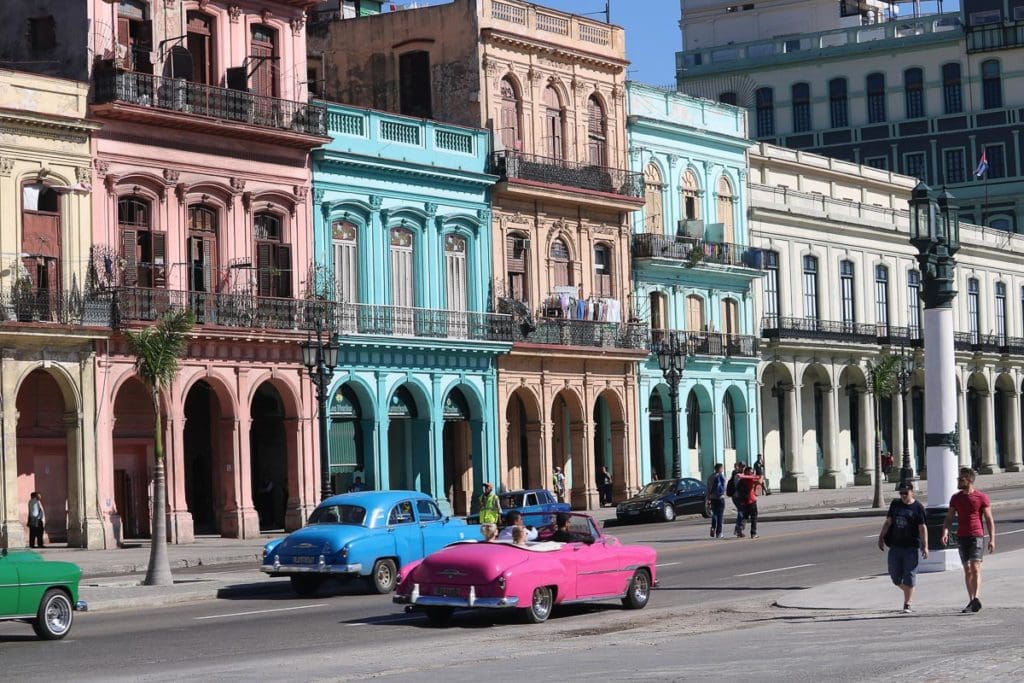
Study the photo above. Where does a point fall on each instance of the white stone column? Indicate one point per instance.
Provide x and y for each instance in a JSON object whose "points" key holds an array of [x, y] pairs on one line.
{"points": [[987, 440], [793, 478], [1012, 421], [834, 477], [866, 475]]}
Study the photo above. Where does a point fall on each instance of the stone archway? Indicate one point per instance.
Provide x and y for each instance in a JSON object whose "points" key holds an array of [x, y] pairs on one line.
{"points": [[208, 443], [699, 448], [659, 429], [132, 440], [815, 446], [47, 454], [610, 446], [853, 437], [268, 457], [462, 457], [409, 460], [981, 444], [524, 442], [569, 448], [735, 431]]}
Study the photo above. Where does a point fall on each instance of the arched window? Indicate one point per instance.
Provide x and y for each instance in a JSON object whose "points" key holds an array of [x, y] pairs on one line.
{"points": [[273, 256], [202, 248], [602, 270], [553, 124], [403, 268], [838, 103], [345, 248], [691, 196], [728, 422], [991, 84], [597, 125], [511, 115], [561, 271], [801, 95], [694, 313], [693, 421], [726, 210], [517, 247], [765, 110], [913, 90], [659, 314], [876, 98], [456, 281], [654, 220], [952, 94], [143, 249]]}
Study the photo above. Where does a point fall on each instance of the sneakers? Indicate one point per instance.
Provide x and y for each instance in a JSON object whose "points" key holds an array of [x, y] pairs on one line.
{"points": [[740, 534], [753, 535], [975, 605], [712, 533], [907, 609], [719, 536]]}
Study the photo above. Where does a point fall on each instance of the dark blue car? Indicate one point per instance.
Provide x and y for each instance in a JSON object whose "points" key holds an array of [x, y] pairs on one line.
{"points": [[530, 501]]}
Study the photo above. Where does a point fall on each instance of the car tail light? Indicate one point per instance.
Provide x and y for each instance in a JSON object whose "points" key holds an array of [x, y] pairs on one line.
{"points": [[501, 583]]}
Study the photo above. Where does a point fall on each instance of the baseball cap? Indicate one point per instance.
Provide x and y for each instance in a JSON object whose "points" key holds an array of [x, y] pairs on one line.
{"points": [[905, 486]]}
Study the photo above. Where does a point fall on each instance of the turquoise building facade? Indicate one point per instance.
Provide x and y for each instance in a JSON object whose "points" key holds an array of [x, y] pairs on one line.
{"points": [[693, 272], [402, 246]]}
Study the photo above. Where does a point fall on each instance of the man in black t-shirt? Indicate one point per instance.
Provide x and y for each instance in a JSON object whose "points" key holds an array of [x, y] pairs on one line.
{"points": [[905, 533]]}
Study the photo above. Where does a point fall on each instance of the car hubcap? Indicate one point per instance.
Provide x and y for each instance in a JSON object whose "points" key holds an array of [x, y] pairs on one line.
{"points": [[541, 602], [640, 587], [384, 575], [58, 615]]}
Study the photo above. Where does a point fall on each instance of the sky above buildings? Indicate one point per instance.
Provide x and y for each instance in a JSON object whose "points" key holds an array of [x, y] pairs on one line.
{"points": [[652, 32]]}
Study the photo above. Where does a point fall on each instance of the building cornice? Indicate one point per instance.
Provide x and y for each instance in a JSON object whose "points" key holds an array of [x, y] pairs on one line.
{"points": [[334, 160], [499, 37]]}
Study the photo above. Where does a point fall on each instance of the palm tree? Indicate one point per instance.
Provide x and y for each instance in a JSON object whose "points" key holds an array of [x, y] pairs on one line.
{"points": [[157, 350], [882, 377]]}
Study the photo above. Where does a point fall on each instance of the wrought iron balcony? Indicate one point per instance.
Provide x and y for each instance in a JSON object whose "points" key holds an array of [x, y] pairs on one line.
{"points": [[979, 343], [989, 37], [184, 97], [778, 327], [511, 165], [591, 333], [245, 311], [32, 305], [693, 252], [710, 343], [1012, 346], [899, 336]]}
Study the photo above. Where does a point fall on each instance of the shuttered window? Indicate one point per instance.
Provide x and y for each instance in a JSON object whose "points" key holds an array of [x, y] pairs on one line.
{"points": [[654, 220], [597, 133], [273, 257], [561, 273], [511, 114], [345, 243], [403, 293], [202, 248], [143, 249], [516, 251], [455, 272], [553, 124]]}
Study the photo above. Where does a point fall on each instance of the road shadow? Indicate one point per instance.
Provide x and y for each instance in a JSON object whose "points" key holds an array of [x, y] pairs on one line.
{"points": [[281, 590], [469, 619], [744, 589], [20, 638]]}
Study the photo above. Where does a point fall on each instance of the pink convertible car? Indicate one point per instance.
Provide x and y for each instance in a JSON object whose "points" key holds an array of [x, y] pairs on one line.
{"points": [[574, 564]]}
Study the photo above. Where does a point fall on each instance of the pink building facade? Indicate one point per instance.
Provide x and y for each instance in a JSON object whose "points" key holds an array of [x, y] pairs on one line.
{"points": [[201, 201]]}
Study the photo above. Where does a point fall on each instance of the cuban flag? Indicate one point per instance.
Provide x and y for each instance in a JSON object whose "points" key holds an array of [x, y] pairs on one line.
{"points": [[982, 166]]}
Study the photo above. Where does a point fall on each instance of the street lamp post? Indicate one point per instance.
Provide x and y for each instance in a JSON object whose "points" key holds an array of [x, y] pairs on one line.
{"points": [[320, 356], [905, 376], [935, 232], [672, 360]]}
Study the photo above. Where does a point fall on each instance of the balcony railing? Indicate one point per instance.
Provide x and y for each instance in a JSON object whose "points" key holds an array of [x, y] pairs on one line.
{"points": [[979, 343], [899, 336], [57, 307], [268, 313], [586, 333], [778, 327], [990, 37], [710, 343], [693, 252], [179, 95], [516, 165]]}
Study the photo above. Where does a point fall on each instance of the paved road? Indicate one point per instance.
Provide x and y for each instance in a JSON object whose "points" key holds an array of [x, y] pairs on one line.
{"points": [[259, 628]]}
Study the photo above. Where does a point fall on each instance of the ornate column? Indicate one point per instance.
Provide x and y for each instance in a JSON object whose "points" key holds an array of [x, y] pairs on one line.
{"points": [[13, 534], [987, 442], [834, 476], [584, 493], [180, 525], [794, 479], [1012, 421], [866, 475]]}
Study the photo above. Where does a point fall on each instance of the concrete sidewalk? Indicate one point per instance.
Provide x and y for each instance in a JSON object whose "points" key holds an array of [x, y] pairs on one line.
{"points": [[940, 592], [111, 578]]}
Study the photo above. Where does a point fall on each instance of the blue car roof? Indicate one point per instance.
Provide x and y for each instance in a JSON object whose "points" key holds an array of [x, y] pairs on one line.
{"points": [[370, 499]]}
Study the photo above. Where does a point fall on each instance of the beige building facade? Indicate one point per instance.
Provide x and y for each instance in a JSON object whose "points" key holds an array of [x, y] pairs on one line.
{"points": [[550, 87], [47, 375]]}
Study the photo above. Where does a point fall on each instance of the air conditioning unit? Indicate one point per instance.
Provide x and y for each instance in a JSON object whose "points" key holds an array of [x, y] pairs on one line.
{"points": [[690, 227]]}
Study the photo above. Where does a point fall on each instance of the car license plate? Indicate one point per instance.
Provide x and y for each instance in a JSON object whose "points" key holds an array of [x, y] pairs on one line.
{"points": [[447, 591], [632, 512], [302, 559]]}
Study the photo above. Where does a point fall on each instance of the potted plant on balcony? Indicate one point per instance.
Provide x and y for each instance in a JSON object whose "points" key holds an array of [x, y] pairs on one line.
{"points": [[23, 299], [696, 255]]}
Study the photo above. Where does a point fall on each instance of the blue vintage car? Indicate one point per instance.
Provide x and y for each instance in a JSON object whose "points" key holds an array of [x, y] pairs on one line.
{"points": [[530, 501], [370, 534]]}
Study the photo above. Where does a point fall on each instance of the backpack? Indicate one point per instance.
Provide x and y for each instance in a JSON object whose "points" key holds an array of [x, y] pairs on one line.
{"points": [[730, 488]]}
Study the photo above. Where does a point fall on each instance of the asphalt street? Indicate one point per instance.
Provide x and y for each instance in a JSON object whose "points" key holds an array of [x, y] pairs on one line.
{"points": [[712, 593]]}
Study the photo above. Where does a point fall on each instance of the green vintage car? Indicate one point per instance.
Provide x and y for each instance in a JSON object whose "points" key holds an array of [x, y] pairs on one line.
{"points": [[42, 593]]}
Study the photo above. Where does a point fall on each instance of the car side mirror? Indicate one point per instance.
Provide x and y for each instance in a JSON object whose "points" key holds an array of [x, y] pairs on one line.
{"points": [[588, 539]]}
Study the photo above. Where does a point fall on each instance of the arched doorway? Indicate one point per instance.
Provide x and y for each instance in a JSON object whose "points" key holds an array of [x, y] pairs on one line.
{"points": [[977, 394], [522, 417], [851, 441], [566, 443], [457, 445], [610, 442], [42, 451], [268, 457], [347, 440], [735, 430], [132, 444], [659, 436], [202, 457], [1003, 405], [815, 394], [408, 431], [776, 420], [700, 430]]}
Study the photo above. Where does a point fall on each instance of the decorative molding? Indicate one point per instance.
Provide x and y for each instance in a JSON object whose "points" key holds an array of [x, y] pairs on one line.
{"points": [[180, 191], [109, 181], [234, 12], [532, 75], [430, 208], [102, 167], [375, 202], [170, 4], [266, 15], [171, 175], [6, 164], [297, 23], [673, 159], [247, 201], [203, 4], [237, 184], [484, 216], [83, 174], [300, 191], [318, 195]]}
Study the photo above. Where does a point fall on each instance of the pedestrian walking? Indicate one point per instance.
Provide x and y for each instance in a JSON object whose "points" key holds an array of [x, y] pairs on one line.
{"points": [[970, 506], [604, 486], [36, 520], [906, 533], [490, 506], [760, 471], [731, 492], [558, 484], [748, 485], [716, 499]]}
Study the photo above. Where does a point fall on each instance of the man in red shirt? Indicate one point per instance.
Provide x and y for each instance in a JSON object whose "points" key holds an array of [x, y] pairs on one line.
{"points": [[748, 486], [970, 507]]}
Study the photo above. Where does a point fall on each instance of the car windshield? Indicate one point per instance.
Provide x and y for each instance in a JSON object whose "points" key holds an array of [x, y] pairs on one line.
{"points": [[656, 488], [511, 500], [338, 514]]}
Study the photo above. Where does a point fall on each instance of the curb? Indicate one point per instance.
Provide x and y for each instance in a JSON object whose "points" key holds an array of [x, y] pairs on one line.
{"points": [[180, 563]]}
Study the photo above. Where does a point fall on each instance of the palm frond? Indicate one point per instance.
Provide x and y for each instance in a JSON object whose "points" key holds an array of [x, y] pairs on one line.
{"points": [[158, 348], [882, 376]]}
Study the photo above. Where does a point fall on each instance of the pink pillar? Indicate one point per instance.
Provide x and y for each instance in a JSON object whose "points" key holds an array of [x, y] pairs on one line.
{"points": [[179, 524]]}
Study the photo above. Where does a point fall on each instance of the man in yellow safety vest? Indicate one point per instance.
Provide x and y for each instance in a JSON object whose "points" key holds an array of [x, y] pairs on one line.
{"points": [[490, 507]]}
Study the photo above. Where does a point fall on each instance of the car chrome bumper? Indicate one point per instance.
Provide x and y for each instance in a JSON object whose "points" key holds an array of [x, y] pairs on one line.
{"points": [[81, 606], [442, 601], [312, 568]]}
